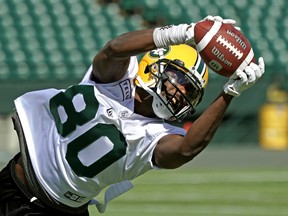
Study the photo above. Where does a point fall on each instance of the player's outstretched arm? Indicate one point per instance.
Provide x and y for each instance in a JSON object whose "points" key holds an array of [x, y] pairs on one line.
{"points": [[173, 151], [111, 62]]}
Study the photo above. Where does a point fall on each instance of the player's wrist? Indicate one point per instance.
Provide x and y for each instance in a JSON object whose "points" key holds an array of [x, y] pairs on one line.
{"points": [[227, 96], [172, 35], [229, 90]]}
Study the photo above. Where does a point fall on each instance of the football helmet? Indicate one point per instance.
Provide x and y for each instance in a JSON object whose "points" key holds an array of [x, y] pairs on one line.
{"points": [[176, 77]]}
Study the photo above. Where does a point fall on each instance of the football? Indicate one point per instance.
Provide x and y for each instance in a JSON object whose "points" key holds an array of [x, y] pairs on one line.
{"points": [[222, 47]]}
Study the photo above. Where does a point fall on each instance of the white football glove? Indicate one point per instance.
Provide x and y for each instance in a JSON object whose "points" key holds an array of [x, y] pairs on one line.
{"points": [[190, 30], [220, 19], [242, 80]]}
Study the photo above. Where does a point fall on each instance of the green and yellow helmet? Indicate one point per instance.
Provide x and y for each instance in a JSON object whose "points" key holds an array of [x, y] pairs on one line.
{"points": [[180, 66]]}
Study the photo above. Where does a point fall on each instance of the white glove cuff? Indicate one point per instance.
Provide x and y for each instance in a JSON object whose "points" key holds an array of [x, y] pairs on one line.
{"points": [[172, 35], [190, 35], [229, 89]]}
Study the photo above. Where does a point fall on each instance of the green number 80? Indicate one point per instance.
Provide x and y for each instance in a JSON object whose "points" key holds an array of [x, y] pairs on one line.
{"points": [[78, 118]]}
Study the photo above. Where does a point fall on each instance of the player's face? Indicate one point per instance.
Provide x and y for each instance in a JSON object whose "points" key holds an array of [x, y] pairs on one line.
{"points": [[174, 91], [177, 85]]}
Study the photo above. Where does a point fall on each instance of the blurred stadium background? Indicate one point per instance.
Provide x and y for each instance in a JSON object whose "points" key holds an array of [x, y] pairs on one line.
{"points": [[51, 43]]}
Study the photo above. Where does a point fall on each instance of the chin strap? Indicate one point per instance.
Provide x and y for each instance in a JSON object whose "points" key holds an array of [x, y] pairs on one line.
{"points": [[158, 101], [145, 87]]}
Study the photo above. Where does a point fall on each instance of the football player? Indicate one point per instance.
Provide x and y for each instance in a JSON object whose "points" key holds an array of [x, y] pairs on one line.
{"points": [[114, 125]]}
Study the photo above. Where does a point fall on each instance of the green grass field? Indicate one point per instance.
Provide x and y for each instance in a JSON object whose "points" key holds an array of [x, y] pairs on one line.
{"points": [[210, 192], [206, 187], [226, 181]]}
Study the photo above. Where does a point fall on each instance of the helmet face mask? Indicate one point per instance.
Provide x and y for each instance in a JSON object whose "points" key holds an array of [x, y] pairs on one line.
{"points": [[176, 90]]}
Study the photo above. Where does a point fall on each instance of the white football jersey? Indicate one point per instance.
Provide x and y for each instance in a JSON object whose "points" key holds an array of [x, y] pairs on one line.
{"points": [[86, 137]]}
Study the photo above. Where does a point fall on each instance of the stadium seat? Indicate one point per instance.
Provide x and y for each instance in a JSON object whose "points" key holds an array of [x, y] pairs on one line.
{"points": [[65, 31], [4, 71]]}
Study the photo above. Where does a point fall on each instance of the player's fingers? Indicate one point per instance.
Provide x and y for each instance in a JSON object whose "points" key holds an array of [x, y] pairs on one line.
{"points": [[238, 28], [209, 17], [251, 76], [261, 64], [242, 76], [218, 18], [229, 21], [256, 69]]}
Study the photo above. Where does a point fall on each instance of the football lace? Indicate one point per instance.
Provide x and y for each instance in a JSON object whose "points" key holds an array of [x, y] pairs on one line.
{"points": [[238, 54]]}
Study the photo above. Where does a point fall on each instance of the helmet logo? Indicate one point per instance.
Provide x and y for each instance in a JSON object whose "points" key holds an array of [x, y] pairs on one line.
{"points": [[157, 52]]}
